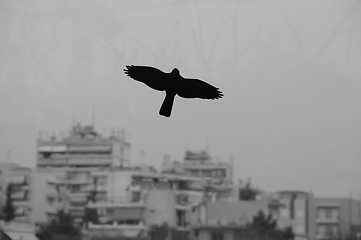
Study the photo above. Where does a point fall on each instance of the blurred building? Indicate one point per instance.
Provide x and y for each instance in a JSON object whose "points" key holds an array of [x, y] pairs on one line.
{"points": [[20, 178], [83, 147], [184, 194], [298, 212], [200, 164], [224, 220], [34, 195], [337, 217], [131, 202], [45, 198], [77, 155]]}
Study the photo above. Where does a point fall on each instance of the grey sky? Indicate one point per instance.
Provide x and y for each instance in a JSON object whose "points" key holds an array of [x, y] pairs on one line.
{"points": [[290, 72]]}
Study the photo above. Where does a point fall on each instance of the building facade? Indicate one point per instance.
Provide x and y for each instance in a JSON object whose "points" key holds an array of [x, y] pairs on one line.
{"points": [[336, 217], [75, 156], [20, 178], [298, 212], [83, 147], [200, 164]]}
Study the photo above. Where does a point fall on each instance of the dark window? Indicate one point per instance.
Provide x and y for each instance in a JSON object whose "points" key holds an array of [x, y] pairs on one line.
{"points": [[181, 218], [328, 213], [135, 196], [217, 236]]}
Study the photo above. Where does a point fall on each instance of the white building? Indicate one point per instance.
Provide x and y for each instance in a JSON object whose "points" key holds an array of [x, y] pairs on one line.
{"points": [[83, 147]]}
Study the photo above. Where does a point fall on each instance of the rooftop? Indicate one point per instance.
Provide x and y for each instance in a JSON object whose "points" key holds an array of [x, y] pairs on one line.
{"points": [[79, 133]]}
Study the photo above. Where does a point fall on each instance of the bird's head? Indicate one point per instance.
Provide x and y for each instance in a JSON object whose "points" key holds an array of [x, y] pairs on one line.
{"points": [[175, 71]]}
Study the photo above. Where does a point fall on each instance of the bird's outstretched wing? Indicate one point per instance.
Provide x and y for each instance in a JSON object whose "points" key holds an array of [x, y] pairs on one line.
{"points": [[195, 88], [150, 76]]}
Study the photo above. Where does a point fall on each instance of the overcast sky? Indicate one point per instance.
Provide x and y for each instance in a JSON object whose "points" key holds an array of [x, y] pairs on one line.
{"points": [[290, 72]]}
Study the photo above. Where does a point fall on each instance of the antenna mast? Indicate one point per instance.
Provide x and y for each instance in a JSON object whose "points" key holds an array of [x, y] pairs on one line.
{"points": [[93, 116], [207, 142]]}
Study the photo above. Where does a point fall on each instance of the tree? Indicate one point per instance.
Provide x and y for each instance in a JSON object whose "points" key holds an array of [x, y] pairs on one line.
{"points": [[8, 210], [63, 224], [165, 232], [159, 232], [61, 227], [265, 227], [262, 223], [91, 214]]}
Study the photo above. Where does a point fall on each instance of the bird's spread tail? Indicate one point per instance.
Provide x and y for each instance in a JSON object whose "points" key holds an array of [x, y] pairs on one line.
{"points": [[166, 108]]}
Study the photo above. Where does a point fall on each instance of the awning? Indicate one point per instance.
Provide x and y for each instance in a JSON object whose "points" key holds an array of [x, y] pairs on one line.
{"points": [[21, 236]]}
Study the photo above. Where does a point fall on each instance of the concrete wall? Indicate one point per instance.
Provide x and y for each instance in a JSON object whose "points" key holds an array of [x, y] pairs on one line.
{"points": [[304, 212], [160, 207], [120, 153], [40, 188], [119, 181]]}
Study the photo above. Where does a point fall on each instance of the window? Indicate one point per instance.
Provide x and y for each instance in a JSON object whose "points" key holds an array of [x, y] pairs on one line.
{"points": [[74, 188], [328, 213], [135, 196], [319, 213], [181, 218], [217, 236], [183, 185], [50, 200], [331, 230], [320, 230]]}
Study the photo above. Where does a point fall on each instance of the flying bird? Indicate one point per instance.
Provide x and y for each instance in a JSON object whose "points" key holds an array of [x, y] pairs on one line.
{"points": [[173, 84]]}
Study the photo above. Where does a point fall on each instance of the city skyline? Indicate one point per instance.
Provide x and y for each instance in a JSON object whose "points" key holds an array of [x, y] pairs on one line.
{"points": [[290, 72]]}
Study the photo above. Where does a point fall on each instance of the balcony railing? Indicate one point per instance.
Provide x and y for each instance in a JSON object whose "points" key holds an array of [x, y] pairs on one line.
{"points": [[327, 220], [118, 204], [115, 225]]}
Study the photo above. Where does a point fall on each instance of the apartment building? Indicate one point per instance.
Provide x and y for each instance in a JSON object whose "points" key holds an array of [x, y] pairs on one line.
{"points": [[200, 164], [297, 211], [77, 155], [35, 198], [129, 201], [188, 194], [223, 220], [20, 177], [83, 147], [336, 217]]}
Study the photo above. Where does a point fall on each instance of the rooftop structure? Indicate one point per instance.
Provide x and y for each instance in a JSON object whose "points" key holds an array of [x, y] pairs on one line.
{"points": [[200, 164], [83, 147]]}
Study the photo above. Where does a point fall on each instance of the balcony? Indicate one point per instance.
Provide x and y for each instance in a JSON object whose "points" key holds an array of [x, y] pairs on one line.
{"points": [[19, 195], [51, 210], [183, 207], [51, 162], [77, 181], [22, 203], [77, 195], [117, 226], [134, 188], [18, 227], [334, 220], [119, 204], [76, 208], [325, 237]]}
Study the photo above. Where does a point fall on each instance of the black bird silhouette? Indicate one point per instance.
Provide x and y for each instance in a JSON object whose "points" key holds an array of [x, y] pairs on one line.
{"points": [[173, 84]]}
